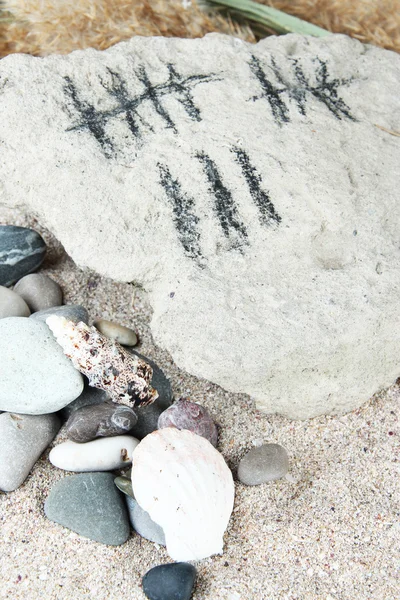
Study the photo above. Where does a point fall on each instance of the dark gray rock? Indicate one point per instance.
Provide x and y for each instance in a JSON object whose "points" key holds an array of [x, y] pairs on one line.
{"points": [[39, 291], [22, 251], [148, 415], [100, 420], [265, 463], [73, 312], [89, 397], [91, 505], [23, 438], [174, 581], [143, 524], [184, 414]]}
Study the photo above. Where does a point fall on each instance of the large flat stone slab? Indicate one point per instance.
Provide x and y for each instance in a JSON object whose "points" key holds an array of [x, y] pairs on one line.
{"points": [[251, 189]]}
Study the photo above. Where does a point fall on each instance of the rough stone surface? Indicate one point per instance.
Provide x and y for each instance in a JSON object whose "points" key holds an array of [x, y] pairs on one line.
{"points": [[39, 291], [104, 454], [120, 333], [143, 524], [256, 188], [72, 312], [22, 251], [36, 377], [23, 438], [90, 505], [101, 420], [12, 305], [173, 581], [265, 463]]}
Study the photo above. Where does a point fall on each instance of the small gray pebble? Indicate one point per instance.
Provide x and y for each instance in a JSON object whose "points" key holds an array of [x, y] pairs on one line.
{"points": [[23, 438], [22, 251], [39, 291], [100, 420], [143, 524], [12, 305], [72, 312], [89, 397], [90, 505], [124, 484], [265, 463], [121, 334]]}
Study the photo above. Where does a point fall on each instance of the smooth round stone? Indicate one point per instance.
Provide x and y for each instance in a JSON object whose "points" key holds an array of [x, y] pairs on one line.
{"points": [[184, 414], [89, 397], [143, 524], [104, 454], [72, 312], [12, 305], [22, 251], [124, 484], [39, 291], [265, 463], [36, 377], [174, 581], [90, 505], [23, 438], [148, 415], [121, 334], [101, 420]]}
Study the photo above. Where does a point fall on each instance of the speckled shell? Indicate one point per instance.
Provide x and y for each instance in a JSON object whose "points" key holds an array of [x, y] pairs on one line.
{"points": [[185, 485], [105, 363]]}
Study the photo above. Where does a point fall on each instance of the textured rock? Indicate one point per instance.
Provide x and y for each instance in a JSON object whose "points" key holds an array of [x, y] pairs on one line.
{"points": [[101, 420], [143, 524], [265, 463], [104, 454], [174, 581], [12, 305], [90, 505], [72, 312], [36, 377], [257, 200], [189, 415], [23, 438], [120, 333], [39, 291], [22, 251]]}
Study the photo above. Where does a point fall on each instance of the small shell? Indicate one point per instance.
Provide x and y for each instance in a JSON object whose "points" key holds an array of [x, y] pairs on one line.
{"points": [[183, 482], [105, 363]]}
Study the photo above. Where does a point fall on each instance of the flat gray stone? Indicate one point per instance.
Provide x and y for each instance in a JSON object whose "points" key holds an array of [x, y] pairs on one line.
{"points": [[143, 524], [39, 291], [262, 464], [257, 194], [12, 305], [72, 312], [23, 438], [100, 420], [90, 505], [22, 251], [36, 377]]}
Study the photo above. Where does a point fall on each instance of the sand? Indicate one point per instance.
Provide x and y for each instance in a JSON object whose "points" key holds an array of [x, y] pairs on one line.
{"points": [[331, 530]]}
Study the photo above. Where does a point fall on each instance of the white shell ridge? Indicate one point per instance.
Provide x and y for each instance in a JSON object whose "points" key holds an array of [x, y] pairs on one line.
{"points": [[185, 485]]}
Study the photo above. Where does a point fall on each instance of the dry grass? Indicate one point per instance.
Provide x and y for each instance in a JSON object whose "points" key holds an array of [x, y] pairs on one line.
{"points": [[42, 27]]}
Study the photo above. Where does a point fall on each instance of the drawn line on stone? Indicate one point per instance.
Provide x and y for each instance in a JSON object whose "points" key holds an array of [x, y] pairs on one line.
{"points": [[225, 207], [267, 212], [184, 218], [176, 86]]}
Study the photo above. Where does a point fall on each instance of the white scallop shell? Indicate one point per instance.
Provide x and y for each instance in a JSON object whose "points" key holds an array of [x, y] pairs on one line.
{"points": [[185, 485]]}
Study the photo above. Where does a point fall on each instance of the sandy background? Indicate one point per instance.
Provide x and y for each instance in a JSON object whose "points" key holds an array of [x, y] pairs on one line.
{"points": [[330, 531]]}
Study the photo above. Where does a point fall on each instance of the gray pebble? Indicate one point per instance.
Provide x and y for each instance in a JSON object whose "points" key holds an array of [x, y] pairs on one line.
{"points": [[90, 505], [121, 334], [23, 438], [12, 305], [124, 484], [89, 397], [72, 312], [36, 377], [143, 524], [39, 291], [265, 463], [101, 420], [22, 251]]}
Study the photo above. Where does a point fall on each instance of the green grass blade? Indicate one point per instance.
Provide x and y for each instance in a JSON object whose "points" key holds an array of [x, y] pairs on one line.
{"points": [[270, 17]]}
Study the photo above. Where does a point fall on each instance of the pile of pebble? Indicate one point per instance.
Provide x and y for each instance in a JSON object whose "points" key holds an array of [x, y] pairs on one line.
{"points": [[40, 391]]}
